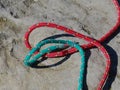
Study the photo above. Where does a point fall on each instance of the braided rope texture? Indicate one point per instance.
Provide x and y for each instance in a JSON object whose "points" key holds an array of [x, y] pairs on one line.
{"points": [[81, 36], [92, 43], [72, 50], [29, 62]]}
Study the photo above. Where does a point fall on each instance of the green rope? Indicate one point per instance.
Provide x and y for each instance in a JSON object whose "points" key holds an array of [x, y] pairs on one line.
{"points": [[28, 61]]}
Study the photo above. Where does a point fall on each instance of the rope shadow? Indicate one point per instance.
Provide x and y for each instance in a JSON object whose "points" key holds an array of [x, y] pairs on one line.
{"points": [[119, 2], [113, 35], [87, 55], [35, 65], [113, 54], [113, 68], [58, 36]]}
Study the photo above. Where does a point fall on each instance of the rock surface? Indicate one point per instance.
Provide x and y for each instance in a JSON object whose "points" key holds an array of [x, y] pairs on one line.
{"points": [[90, 17]]}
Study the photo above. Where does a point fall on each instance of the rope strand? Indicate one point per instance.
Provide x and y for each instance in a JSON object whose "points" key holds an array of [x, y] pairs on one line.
{"points": [[29, 62]]}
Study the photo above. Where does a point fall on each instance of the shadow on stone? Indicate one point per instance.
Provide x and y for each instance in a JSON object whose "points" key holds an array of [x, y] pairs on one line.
{"points": [[113, 35], [113, 68], [35, 65], [112, 53], [87, 55], [119, 2], [58, 36]]}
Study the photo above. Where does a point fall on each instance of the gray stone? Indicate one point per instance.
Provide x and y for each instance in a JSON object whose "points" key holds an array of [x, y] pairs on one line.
{"points": [[90, 17]]}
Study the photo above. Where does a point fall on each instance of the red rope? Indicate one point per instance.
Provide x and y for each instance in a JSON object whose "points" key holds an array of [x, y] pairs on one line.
{"points": [[91, 41], [86, 38], [89, 45], [102, 39]]}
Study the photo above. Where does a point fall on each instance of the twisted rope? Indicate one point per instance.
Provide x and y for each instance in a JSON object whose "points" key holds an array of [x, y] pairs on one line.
{"points": [[28, 61], [85, 46], [92, 42]]}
